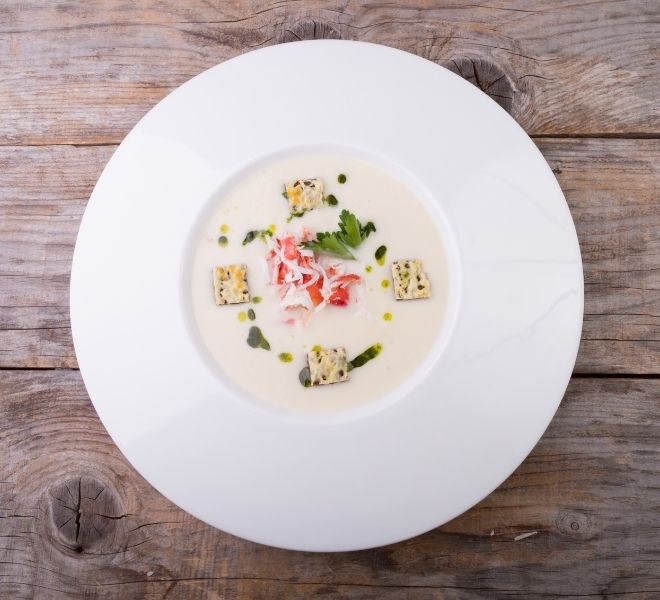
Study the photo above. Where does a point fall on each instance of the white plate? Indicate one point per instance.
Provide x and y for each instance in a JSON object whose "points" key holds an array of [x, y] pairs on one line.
{"points": [[356, 479]]}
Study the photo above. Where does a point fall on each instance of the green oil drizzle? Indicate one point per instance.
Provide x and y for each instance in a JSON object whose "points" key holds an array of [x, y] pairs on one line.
{"points": [[380, 255], [362, 359], [295, 215], [262, 234], [256, 339]]}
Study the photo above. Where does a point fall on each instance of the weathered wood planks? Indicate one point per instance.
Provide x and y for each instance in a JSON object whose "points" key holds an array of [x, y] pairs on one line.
{"points": [[80, 72], [77, 522], [590, 489], [611, 187]]}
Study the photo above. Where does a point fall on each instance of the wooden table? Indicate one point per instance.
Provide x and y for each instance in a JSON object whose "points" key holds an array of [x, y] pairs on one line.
{"points": [[76, 521]]}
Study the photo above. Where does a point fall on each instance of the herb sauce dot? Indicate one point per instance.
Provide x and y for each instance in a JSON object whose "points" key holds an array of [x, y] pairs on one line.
{"points": [[385, 283], [285, 357], [251, 314], [341, 178], [242, 316], [368, 268], [224, 228], [331, 199], [223, 241], [380, 255], [387, 316], [256, 299], [305, 377]]}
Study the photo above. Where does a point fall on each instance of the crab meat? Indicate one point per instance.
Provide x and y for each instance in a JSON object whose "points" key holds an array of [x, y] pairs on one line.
{"points": [[307, 283]]}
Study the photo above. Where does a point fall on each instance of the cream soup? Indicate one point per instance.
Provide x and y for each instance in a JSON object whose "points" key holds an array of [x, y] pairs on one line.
{"points": [[405, 330]]}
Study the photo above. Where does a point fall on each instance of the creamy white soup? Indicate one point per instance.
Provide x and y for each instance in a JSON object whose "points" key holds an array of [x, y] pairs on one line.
{"points": [[304, 297]]}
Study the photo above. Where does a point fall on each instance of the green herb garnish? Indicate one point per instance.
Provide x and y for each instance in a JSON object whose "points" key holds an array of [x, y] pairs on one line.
{"points": [[262, 234], [329, 243], [305, 377], [351, 234], [256, 299], [331, 199], [380, 254], [285, 195], [223, 241], [285, 357], [341, 178], [363, 358], [256, 339], [251, 314]]}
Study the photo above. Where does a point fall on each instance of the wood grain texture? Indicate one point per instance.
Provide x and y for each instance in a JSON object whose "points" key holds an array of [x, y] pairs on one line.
{"points": [[611, 187], [77, 522], [78, 72]]}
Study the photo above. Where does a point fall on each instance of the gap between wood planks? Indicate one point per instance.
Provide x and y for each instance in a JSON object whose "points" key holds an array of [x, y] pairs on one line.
{"points": [[535, 136], [573, 375]]}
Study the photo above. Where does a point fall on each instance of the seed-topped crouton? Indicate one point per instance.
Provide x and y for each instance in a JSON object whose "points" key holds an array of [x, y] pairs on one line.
{"points": [[410, 281], [304, 195], [327, 365], [230, 283]]}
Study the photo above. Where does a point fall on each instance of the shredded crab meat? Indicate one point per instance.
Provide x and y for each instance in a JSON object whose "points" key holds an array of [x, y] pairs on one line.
{"points": [[307, 283]]}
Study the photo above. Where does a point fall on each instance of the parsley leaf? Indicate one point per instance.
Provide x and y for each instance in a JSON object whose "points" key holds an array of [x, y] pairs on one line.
{"points": [[329, 243], [351, 231], [351, 234]]}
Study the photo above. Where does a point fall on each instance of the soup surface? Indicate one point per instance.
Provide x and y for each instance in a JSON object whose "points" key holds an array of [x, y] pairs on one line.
{"points": [[368, 313]]}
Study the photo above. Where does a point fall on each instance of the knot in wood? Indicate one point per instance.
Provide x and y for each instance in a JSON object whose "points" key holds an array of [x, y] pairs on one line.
{"points": [[488, 77], [575, 524], [308, 29], [85, 514]]}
